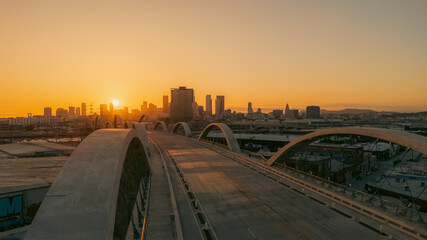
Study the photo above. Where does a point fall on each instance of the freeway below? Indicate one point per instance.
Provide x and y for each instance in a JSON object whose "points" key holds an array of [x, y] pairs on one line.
{"points": [[218, 198]]}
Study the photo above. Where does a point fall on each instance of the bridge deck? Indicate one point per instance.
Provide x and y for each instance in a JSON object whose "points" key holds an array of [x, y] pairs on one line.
{"points": [[242, 204], [159, 226]]}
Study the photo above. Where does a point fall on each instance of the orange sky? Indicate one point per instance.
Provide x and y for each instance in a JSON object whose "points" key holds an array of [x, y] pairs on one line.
{"points": [[336, 54]]}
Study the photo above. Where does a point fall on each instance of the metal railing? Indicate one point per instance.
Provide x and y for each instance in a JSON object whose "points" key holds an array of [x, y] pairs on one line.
{"points": [[177, 221], [200, 217], [147, 207]]}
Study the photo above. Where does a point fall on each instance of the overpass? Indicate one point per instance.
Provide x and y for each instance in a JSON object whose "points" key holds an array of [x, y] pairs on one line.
{"points": [[195, 190]]}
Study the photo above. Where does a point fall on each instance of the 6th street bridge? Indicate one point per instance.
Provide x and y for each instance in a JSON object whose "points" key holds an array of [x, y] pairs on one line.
{"points": [[132, 184]]}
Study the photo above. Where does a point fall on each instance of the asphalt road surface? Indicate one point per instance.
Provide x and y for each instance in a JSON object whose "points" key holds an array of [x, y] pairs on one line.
{"points": [[242, 204]]}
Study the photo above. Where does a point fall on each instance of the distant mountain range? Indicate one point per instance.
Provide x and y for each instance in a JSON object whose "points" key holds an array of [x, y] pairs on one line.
{"points": [[354, 111], [348, 111], [364, 111]]}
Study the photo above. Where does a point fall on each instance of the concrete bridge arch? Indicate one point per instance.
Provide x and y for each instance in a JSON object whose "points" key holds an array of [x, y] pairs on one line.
{"points": [[232, 143], [93, 195], [118, 119], [142, 133], [410, 140], [187, 130], [161, 124]]}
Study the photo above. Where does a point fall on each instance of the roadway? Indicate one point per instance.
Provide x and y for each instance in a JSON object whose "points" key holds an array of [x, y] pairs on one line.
{"points": [[242, 204]]}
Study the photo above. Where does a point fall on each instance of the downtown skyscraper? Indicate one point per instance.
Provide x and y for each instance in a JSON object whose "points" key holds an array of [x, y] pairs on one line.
{"points": [[181, 107]]}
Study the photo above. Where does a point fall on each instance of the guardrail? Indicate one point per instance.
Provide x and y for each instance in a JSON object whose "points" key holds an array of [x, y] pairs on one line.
{"points": [[205, 227], [376, 201], [177, 220], [341, 194], [147, 207], [257, 155]]}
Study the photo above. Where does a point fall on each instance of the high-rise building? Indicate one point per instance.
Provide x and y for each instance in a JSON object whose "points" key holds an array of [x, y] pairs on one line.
{"points": [[200, 110], [250, 110], [60, 112], [312, 112], [111, 108], [103, 110], [78, 111], [84, 109], [208, 105], [195, 107], [152, 108], [219, 106], [258, 114], [295, 113], [277, 113], [136, 113], [144, 107], [181, 107], [288, 113], [165, 103], [71, 111], [47, 112]]}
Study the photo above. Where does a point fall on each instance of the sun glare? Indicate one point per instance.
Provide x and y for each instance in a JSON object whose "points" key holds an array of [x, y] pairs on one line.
{"points": [[115, 103]]}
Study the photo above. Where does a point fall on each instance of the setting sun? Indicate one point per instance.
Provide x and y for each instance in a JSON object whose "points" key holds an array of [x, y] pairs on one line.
{"points": [[115, 102]]}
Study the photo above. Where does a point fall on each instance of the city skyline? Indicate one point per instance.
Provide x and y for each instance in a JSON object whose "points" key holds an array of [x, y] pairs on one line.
{"points": [[335, 54], [97, 109], [242, 119]]}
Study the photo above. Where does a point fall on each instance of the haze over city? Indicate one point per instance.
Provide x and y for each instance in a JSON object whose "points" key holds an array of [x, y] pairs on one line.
{"points": [[335, 54]]}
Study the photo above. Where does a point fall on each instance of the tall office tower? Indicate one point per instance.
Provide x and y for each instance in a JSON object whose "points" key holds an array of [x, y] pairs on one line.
{"points": [[250, 110], [103, 110], [60, 112], [200, 110], [136, 113], [181, 108], [152, 108], [312, 112], [165, 103], [288, 113], [84, 109], [219, 106], [144, 107], [47, 112], [208, 105], [78, 111], [111, 108], [195, 109], [125, 113], [295, 113], [277, 113], [71, 111]]}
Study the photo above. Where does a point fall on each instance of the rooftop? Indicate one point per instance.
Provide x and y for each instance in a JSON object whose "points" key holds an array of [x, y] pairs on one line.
{"points": [[23, 173], [28, 149]]}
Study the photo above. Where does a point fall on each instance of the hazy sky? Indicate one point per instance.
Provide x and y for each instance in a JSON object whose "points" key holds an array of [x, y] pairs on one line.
{"points": [[336, 54]]}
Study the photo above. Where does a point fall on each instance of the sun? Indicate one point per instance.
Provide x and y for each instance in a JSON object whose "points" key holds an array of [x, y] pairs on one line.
{"points": [[115, 102]]}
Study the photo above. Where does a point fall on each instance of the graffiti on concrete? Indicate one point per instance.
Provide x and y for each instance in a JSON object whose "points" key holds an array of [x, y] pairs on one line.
{"points": [[19, 209], [11, 212]]}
